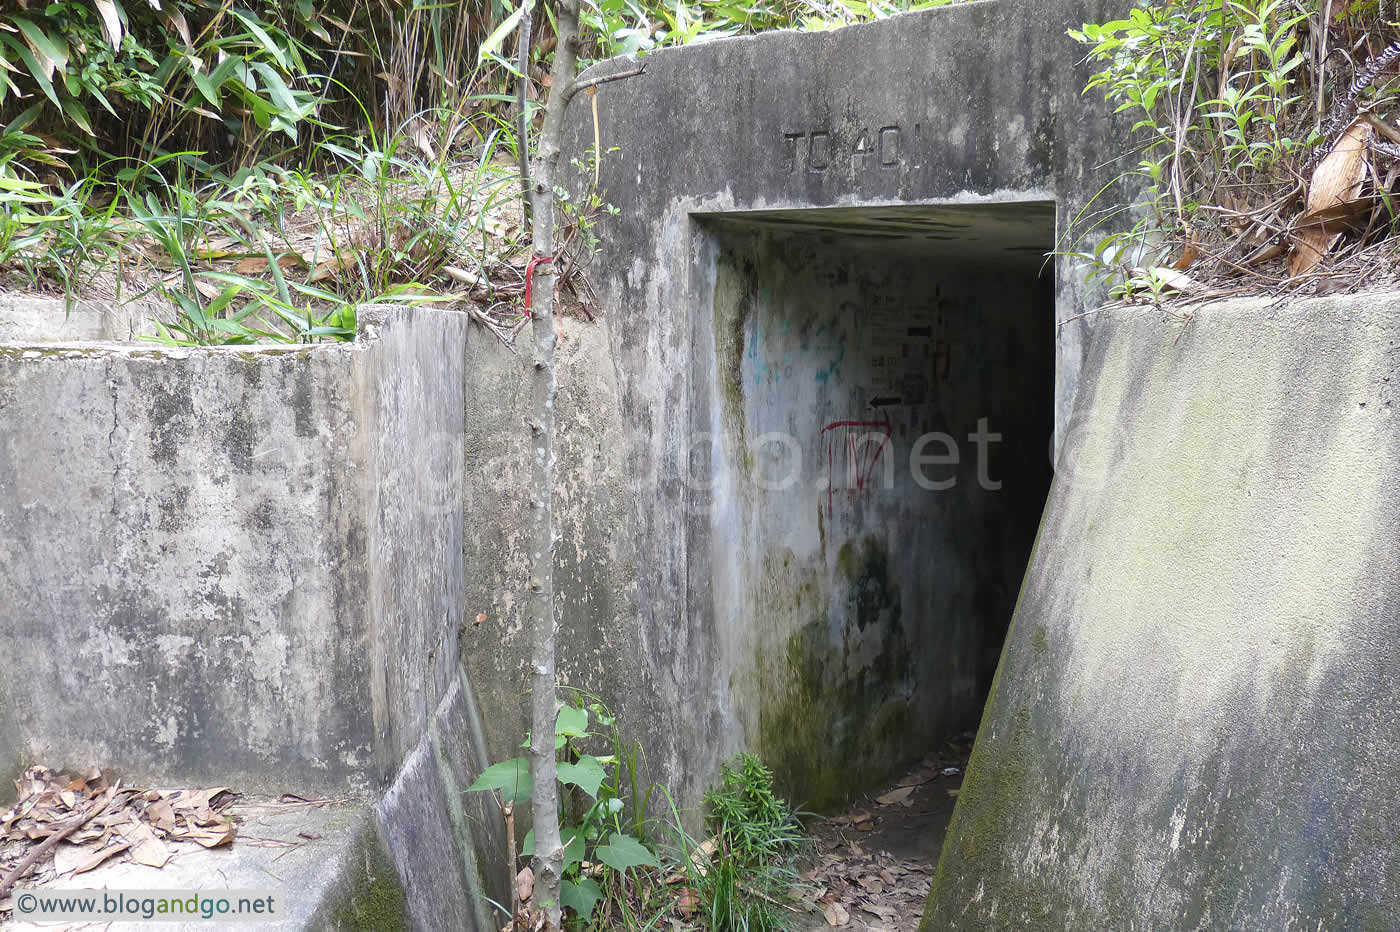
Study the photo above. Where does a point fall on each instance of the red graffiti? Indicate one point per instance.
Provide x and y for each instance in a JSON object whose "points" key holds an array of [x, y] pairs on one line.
{"points": [[863, 442]]}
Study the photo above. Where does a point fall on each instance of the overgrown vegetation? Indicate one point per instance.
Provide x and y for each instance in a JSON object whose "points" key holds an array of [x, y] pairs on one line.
{"points": [[751, 883], [1242, 114], [627, 869], [263, 168]]}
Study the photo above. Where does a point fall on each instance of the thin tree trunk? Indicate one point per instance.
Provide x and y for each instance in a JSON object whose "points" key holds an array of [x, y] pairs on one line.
{"points": [[522, 119], [549, 850]]}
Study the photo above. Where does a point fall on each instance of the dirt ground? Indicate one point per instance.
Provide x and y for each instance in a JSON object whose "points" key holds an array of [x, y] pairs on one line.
{"points": [[873, 864]]}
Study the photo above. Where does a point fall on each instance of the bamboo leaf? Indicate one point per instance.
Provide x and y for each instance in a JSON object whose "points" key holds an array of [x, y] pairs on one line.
{"points": [[52, 55], [111, 22], [35, 70], [75, 112], [272, 48], [492, 44]]}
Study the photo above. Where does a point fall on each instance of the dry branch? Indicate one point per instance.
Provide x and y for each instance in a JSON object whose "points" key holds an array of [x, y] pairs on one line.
{"points": [[97, 807]]}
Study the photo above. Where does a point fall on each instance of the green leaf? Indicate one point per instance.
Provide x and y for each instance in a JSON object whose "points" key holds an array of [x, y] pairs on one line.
{"points": [[272, 48], [573, 840], [52, 54], [277, 89], [224, 299], [572, 722], [207, 88], [581, 896], [41, 77], [493, 43], [226, 69], [19, 184], [511, 777], [624, 851], [587, 774], [75, 112]]}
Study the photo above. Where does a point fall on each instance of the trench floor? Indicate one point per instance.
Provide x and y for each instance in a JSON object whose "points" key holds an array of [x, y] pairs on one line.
{"points": [[872, 864]]}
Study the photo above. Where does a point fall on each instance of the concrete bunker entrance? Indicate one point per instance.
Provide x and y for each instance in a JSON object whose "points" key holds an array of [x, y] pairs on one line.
{"points": [[883, 398]]}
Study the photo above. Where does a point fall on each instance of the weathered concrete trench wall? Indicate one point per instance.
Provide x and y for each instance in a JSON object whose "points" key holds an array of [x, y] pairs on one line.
{"points": [[1193, 725], [244, 567], [269, 588]]}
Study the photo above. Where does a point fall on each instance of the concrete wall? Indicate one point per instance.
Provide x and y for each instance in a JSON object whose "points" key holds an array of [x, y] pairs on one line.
{"points": [[859, 603], [232, 564], [595, 561], [182, 566], [978, 102], [246, 567], [1193, 725]]}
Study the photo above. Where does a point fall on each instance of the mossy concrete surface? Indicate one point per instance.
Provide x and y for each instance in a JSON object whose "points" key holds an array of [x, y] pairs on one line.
{"points": [[1193, 724]]}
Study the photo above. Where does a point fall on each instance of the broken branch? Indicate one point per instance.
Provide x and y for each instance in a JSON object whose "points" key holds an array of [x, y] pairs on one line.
{"points": [[48, 844], [576, 86]]}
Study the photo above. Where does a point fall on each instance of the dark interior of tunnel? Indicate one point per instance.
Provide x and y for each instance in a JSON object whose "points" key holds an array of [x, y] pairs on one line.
{"points": [[903, 358]]}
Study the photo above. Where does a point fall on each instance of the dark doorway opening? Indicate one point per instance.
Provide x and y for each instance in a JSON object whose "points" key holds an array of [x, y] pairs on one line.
{"points": [[883, 412]]}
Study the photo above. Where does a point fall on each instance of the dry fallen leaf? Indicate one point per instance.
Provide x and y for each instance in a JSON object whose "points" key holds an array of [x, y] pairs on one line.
{"points": [[146, 848], [254, 264], [161, 815], [67, 858], [836, 915], [525, 884], [1190, 252], [343, 263], [883, 912], [704, 852], [422, 138], [1337, 180], [851, 818], [896, 797], [213, 837], [95, 860]]}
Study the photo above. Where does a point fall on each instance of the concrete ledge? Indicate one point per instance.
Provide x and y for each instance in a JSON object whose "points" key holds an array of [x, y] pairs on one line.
{"points": [[343, 879], [27, 319], [1193, 725]]}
